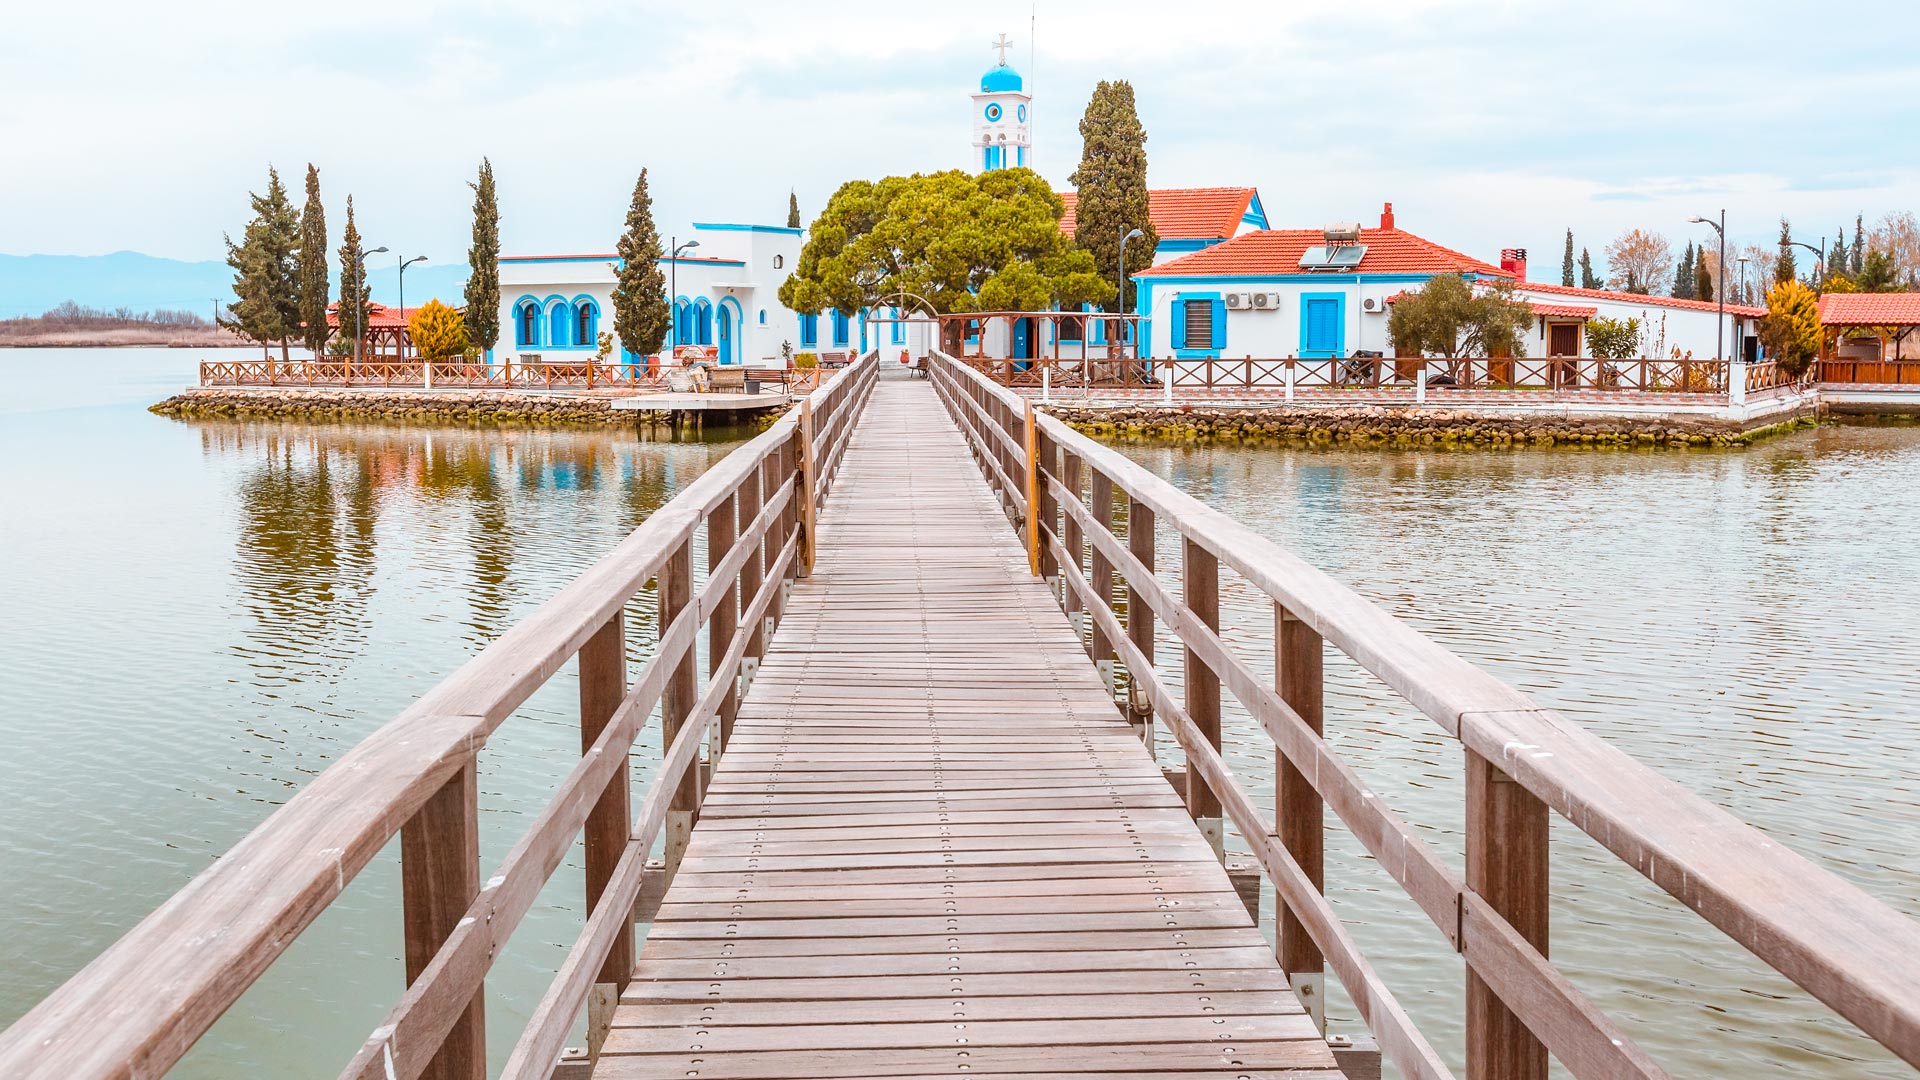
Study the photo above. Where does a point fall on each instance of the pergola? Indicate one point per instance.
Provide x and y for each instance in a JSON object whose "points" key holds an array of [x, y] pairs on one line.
{"points": [[1887, 317], [385, 336]]}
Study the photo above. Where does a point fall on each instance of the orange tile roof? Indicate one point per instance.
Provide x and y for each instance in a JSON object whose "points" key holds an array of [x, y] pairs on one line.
{"points": [[1278, 251], [379, 316], [1639, 298], [1183, 213], [1563, 311], [1870, 309]]}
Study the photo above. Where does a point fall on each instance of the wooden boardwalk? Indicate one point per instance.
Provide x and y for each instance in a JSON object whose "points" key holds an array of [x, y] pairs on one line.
{"points": [[933, 847]]}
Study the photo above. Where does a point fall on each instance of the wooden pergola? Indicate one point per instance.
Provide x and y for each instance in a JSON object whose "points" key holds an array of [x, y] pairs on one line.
{"points": [[1887, 317], [385, 336]]}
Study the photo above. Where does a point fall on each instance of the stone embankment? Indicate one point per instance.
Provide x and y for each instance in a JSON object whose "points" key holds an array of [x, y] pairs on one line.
{"points": [[439, 406], [1367, 426]]}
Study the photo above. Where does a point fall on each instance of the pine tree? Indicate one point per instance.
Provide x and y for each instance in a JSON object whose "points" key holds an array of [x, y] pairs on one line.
{"points": [[313, 267], [1683, 274], [1702, 276], [1588, 279], [1112, 186], [352, 308], [1837, 260], [483, 264], [1859, 252], [793, 209], [1566, 262], [640, 298], [266, 270], [1783, 268]]}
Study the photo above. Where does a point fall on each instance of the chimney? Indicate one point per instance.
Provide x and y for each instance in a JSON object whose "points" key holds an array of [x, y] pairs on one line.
{"points": [[1386, 216], [1514, 261]]}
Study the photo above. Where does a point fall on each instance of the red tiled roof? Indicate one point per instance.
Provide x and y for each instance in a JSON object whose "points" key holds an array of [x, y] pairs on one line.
{"points": [[1562, 311], [379, 316], [1870, 309], [1389, 251], [1183, 213], [1638, 298]]}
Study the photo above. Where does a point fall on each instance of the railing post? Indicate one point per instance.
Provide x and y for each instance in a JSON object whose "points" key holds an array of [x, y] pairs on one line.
{"points": [[1289, 379], [721, 532], [603, 685], [1032, 467], [1102, 486], [676, 704], [1200, 588], [805, 492], [439, 877], [1071, 537], [1420, 382], [1140, 618], [1300, 820], [1046, 461], [1507, 867], [751, 574]]}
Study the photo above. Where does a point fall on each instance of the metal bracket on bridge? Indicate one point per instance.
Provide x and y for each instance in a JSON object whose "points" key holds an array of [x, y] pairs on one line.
{"points": [[749, 667], [1311, 989]]}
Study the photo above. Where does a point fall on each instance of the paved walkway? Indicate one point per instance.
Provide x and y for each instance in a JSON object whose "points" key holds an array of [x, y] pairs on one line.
{"points": [[932, 848]]}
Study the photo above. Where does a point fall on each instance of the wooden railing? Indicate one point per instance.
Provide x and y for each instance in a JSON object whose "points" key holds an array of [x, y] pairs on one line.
{"points": [[1874, 372], [138, 1007], [457, 375], [1848, 950], [1365, 373]]}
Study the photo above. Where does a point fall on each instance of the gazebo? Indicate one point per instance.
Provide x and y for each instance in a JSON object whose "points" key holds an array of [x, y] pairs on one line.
{"points": [[386, 334], [1862, 334]]}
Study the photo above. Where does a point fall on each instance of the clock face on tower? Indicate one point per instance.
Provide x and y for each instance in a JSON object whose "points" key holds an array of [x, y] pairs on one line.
{"points": [[1021, 112], [993, 111]]}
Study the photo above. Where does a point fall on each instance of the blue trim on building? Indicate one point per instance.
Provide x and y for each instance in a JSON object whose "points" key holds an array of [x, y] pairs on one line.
{"points": [[615, 260], [526, 332], [842, 330], [1309, 302], [723, 226], [809, 331], [703, 322], [731, 322], [586, 332], [1256, 214], [1186, 350], [682, 329], [1230, 280]]}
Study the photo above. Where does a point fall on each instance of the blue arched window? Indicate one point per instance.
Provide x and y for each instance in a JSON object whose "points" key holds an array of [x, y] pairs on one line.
{"points": [[809, 331], [586, 321], [842, 330], [899, 328], [682, 322], [703, 321], [526, 323], [560, 330]]}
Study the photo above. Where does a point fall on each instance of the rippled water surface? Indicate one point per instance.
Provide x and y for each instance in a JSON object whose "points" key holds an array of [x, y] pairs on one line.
{"points": [[198, 617]]}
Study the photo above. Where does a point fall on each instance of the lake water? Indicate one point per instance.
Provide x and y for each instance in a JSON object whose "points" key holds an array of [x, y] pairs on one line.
{"points": [[200, 616]]}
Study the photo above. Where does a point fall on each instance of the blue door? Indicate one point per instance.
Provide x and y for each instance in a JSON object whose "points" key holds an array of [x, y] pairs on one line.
{"points": [[1022, 339], [1320, 329], [726, 335]]}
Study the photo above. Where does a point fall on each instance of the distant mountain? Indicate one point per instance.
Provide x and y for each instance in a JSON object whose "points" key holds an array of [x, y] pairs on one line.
{"points": [[31, 284]]}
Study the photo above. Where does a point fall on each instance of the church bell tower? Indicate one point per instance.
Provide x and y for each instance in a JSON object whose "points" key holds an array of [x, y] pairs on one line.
{"points": [[1002, 129]]}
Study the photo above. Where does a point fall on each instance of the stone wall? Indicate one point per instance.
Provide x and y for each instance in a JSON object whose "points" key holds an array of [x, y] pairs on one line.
{"points": [[441, 406]]}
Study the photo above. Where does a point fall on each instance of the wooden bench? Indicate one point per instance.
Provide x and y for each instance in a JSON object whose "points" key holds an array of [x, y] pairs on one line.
{"points": [[727, 380]]}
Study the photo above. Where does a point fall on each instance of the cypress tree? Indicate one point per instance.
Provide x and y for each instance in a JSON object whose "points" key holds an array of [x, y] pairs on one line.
{"points": [[265, 264], [483, 264], [1566, 262], [1837, 260], [1783, 267], [1588, 279], [1112, 185], [352, 309], [1683, 274], [793, 209], [313, 267], [1702, 276], [640, 298], [1859, 251]]}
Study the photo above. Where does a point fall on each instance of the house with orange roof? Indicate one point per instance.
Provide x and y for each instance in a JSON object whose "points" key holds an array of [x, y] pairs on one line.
{"points": [[1317, 293], [1189, 219]]}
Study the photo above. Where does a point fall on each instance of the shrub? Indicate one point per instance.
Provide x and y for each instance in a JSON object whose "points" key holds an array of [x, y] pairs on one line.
{"points": [[437, 330], [805, 360], [1613, 339], [1791, 331]]}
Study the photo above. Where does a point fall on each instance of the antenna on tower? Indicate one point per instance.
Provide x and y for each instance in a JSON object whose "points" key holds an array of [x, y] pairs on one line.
{"points": [[1033, 26]]}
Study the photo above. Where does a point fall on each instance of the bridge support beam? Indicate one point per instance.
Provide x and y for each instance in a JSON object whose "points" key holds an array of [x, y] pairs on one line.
{"points": [[1103, 656], [676, 593], [1200, 583], [603, 685], [1140, 617], [722, 531], [1507, 867], [439, 877], [1300, 817]]}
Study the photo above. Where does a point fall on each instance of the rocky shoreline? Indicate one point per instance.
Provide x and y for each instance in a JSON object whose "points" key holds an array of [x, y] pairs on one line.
{"points": [[440, 406], [1373, 426]]}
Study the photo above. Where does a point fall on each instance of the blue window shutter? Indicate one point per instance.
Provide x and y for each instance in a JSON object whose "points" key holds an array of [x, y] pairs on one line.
{"points": [[1179, 329], [1219, 325]]}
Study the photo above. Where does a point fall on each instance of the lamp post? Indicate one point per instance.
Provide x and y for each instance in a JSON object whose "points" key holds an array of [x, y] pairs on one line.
{"points": [[359, 283], [1720, 294], [1820, 264], [1122, 302], [673, 286], [404, 263]]}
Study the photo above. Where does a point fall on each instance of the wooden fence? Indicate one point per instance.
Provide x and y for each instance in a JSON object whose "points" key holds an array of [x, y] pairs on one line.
{"points": [[139, 1006], [442, 375], [1366, 373], [1848, 950], [1872, 372]]}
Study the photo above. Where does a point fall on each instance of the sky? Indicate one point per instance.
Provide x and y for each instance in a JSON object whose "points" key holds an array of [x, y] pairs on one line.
{"points": [[142, 126]]}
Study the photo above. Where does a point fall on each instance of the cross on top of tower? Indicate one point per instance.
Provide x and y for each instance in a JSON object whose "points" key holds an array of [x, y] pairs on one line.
{"points": [[1003, 45]]}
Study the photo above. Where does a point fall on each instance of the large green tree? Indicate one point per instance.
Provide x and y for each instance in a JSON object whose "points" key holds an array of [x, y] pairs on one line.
{"points": [[1588, 279], [1566, 262], [1453, 317], [1783, 268], [354, 294], [1702, 275], [265, 263], [793, 209], [640, 312], [1683, 274], [313, 267], [1791, 331], [1858, 253], [1112, 185], [483, 263], [959, 242]]}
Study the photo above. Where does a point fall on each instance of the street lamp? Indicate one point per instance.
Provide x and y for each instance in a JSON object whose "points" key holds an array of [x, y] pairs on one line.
{"points": [[404, 263], [1720, 294], [673, 286], [360, 283], [1820, 264], [1122, 302]]}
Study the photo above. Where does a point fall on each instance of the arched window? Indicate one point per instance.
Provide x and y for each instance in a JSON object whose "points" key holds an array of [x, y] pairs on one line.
{"points": [[527, 325], [763, 316], [703, 322], [586, 323], [779, 261], [682, 323], [561, 333]]}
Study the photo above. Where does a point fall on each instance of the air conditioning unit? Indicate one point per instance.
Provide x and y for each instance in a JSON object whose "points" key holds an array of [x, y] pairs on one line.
{"points": [[1374, 304], [1239, 301], [1266, 301]]}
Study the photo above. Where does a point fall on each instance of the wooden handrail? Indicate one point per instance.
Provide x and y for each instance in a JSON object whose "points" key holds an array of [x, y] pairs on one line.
{"points": [[1825, 934], [140, 1005]]}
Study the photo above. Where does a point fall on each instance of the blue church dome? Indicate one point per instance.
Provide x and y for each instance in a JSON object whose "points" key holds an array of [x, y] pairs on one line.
{"points": [[1000, 79]]}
